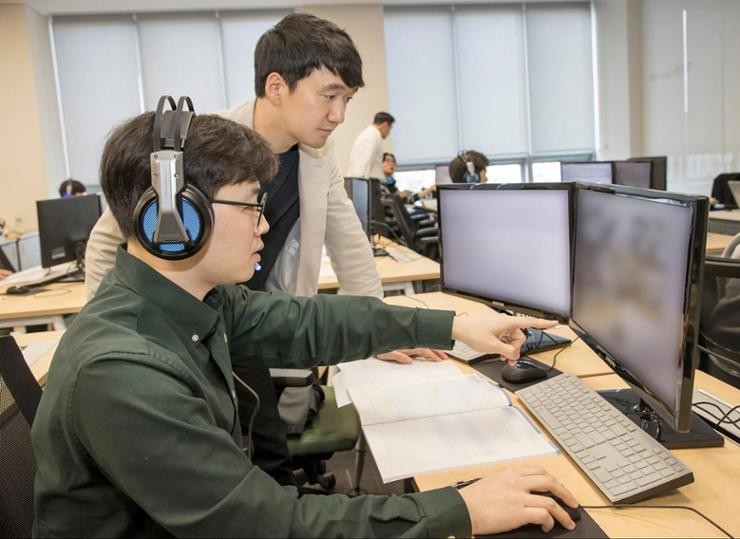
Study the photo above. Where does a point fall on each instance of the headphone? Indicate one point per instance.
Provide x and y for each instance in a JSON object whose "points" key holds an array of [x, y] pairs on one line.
{"points": [[471, 176], [173, 219]]}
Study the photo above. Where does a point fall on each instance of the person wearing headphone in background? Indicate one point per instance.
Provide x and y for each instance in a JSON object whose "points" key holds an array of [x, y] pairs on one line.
{"points": [[469, 167], [71, 188], [138, 430], [306, 71]]}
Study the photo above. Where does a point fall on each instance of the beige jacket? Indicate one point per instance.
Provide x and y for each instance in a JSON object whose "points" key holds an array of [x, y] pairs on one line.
{"points": [[327, 217]]}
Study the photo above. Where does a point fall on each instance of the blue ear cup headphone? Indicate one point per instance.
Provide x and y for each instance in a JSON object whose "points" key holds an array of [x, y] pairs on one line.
{"points": [[471, 176], [173, 219]]}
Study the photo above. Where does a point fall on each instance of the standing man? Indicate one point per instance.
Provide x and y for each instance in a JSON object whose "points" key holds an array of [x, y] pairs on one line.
{"points": [[306, 71], [366, 157]]}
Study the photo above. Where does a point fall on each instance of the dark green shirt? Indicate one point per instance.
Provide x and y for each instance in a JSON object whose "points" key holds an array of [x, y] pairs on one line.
{"points": [[137, 433]]}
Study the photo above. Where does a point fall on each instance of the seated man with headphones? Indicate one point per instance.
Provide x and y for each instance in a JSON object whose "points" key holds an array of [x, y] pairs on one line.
{"points": [[469, 167], [138, 431]]}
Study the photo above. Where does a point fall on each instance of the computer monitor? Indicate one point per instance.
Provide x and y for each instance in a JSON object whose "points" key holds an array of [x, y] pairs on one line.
{"points": [[633, 173], [658, 176], [358, 190], [587, 171], [637, 274], [442, 175], [64, 226], [508, 244]]}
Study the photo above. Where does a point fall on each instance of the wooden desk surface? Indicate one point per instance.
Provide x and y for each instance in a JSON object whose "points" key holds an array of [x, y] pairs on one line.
{"points": [[390, 271], [40, 368], [724, 215], [715, 491], [577, 359], [716, 243], [55, 299]]}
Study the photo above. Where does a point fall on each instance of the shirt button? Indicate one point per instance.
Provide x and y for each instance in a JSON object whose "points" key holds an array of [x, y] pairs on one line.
{"points": [[226, 339], [195, 337], [233, 394]]}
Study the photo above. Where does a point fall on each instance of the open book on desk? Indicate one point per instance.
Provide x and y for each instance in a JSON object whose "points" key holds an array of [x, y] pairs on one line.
{"points": [[443, 424]]}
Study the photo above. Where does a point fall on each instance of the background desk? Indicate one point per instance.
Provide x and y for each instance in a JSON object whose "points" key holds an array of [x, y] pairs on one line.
{"points": [[393, 275], [715, 491], [716, 243], [724, 222], [46, 306]]}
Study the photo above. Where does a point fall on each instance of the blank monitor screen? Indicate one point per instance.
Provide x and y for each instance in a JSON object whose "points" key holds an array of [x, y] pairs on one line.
{"points": [[633, 173], [63, 223], [631, 274], [590, 171], [442, 175], [510, 246]]}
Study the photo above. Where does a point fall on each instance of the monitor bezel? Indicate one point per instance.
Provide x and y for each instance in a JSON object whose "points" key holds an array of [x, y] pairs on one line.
{"points": [[498, 303], [679, 413]]}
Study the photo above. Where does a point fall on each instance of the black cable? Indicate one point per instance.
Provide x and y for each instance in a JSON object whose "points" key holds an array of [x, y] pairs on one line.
{"points": [[555, 357], [627, 506], [393, 232], [722, 419]]}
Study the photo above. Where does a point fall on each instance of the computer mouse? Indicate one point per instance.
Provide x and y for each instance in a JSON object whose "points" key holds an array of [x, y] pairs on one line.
{"points": [[522, 371], [18, 290], [573, 513]]}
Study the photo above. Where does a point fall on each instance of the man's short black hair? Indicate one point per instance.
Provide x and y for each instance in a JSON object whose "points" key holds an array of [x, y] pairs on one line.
{"points": [[386, 154], [71, 187], [382, 117], [301, 43], [458, 167], [217, 152]]}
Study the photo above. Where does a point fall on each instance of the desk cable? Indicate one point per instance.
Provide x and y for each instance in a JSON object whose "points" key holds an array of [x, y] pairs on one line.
{"points": [[555, 357], [719, 419], [685, 508], [248, 449]]}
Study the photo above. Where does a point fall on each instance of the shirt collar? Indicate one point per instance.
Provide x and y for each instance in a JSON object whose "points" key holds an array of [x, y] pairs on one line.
{"points": [[196, 318]]}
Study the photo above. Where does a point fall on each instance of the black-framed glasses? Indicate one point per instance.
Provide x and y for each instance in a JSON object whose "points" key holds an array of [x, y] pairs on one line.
{"points": [[258, 206]]}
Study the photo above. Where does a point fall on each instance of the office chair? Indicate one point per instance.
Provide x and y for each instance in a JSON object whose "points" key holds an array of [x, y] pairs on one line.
{"points": [[423, 240], [332, 429], [719, 329], [19, 399]]}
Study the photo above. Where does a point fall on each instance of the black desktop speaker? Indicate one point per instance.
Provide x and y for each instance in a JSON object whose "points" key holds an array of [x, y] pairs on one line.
{"points": [[173, 219]]}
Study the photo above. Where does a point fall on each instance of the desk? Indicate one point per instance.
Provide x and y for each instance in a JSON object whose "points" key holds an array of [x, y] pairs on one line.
{"points": [[46, 306], [724, 222], [40, 367], [393, 275], [714, 492], [716, 243]]}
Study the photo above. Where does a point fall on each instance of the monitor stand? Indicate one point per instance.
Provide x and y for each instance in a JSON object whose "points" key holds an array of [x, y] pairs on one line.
{"points": [[379, 251], [540, 341], [630, 404]]}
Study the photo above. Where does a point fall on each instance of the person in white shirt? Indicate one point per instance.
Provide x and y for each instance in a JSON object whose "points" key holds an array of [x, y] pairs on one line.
{"points": [[366, 157]]}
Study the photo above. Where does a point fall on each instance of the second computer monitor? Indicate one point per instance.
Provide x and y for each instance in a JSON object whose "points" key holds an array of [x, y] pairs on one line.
{"points": [[587, 171], [659, 172], [509, 244], [633, 173], [64, 226], [636, 279]]}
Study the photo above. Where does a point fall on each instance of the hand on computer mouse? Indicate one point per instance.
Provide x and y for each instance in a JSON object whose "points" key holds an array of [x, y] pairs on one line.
{"points": [[496, 333], [508, 500]]}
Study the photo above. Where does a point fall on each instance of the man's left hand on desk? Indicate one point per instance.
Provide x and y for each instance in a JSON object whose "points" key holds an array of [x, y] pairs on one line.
{"points": [[407, 356]]}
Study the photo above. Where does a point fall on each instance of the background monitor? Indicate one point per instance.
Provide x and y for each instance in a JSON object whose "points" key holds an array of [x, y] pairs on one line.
{"points": [[64, 226], [659, 172], [587, 171], [366, 198], [442, 175], [509, 244], [637, 271], [633, 173]]}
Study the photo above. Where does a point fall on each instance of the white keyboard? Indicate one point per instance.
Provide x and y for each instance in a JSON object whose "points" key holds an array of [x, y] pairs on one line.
{"points": [[400, 255], [463, 352]]}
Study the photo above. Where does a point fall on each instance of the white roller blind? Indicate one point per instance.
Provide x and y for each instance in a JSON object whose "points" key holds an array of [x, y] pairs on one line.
{"points": [[490, 56], [96, 64], [241, 31], [421, 83], [181, 55], [560, 77]]}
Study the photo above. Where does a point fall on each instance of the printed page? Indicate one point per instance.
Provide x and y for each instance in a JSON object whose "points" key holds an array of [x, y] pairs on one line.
{"points": [[419, 446], [33, 351], [398, 402], [376, 371]]}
